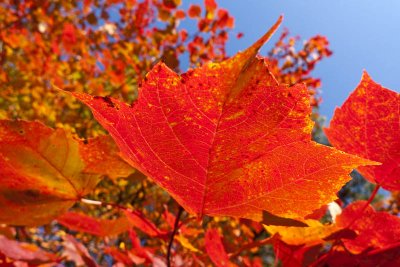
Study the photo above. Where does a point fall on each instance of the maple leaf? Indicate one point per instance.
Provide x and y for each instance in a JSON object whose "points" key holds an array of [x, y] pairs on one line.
{"points": [[226, 139], [375, 229], [99, 227], [368, 125], [77, 252], [137, 220], [101, 155], [42, 171], [365, 233], [387, 257], [295, 256], [111, 227], [215, 249]]}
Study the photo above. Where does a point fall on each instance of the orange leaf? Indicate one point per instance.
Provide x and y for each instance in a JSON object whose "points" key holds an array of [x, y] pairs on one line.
{"points": [[101, 155], [311, 235], [226, 139], [368, 125], [100, 227], [42, 172]]}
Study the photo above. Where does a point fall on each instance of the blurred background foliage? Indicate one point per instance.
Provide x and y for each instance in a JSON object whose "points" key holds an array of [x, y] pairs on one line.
{"points": [[106, 47]]}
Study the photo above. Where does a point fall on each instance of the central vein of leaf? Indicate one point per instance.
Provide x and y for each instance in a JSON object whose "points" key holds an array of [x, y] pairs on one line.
{"points": [[235, 89], [209, 160]]}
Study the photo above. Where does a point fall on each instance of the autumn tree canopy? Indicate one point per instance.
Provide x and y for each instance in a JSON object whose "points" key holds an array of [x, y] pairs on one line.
{"points": [[112, 153]]}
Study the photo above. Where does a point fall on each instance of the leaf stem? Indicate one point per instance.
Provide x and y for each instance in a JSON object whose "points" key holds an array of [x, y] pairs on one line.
{"points": [[91, 202], [104, 204], [171, 240], [373, 194], [370, 199]]}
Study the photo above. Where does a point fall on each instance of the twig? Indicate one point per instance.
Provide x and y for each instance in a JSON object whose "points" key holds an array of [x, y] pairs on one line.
{"points": [[171, 240]]}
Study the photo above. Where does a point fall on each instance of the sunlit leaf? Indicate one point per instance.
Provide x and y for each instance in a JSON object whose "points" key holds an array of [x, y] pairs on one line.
{"points": [[227, 139], [101, 155], [42, 171], [311, 235], [368, 125]]}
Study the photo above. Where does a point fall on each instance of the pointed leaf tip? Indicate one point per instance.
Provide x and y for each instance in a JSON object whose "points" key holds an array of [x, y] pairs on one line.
{"points": [[365, 76], [265, 38]]}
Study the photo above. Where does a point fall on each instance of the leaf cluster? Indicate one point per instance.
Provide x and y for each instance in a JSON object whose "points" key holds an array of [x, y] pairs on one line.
{"points": [[215, 166]]}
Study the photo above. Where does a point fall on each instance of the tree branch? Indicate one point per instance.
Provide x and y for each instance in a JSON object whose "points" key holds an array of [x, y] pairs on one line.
{"points": [[171, 240]]}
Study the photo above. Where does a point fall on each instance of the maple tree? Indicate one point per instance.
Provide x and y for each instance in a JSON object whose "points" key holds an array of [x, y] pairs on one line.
{"points": [[213, 166]]}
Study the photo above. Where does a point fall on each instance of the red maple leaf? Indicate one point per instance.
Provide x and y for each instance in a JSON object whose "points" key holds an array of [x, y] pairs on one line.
{"points": [[227, 139], [215, 249], [368, 125], [376, 230]]}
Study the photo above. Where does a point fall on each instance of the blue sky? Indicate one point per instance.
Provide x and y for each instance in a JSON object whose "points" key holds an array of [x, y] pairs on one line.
{"points": [[364, 34]]}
